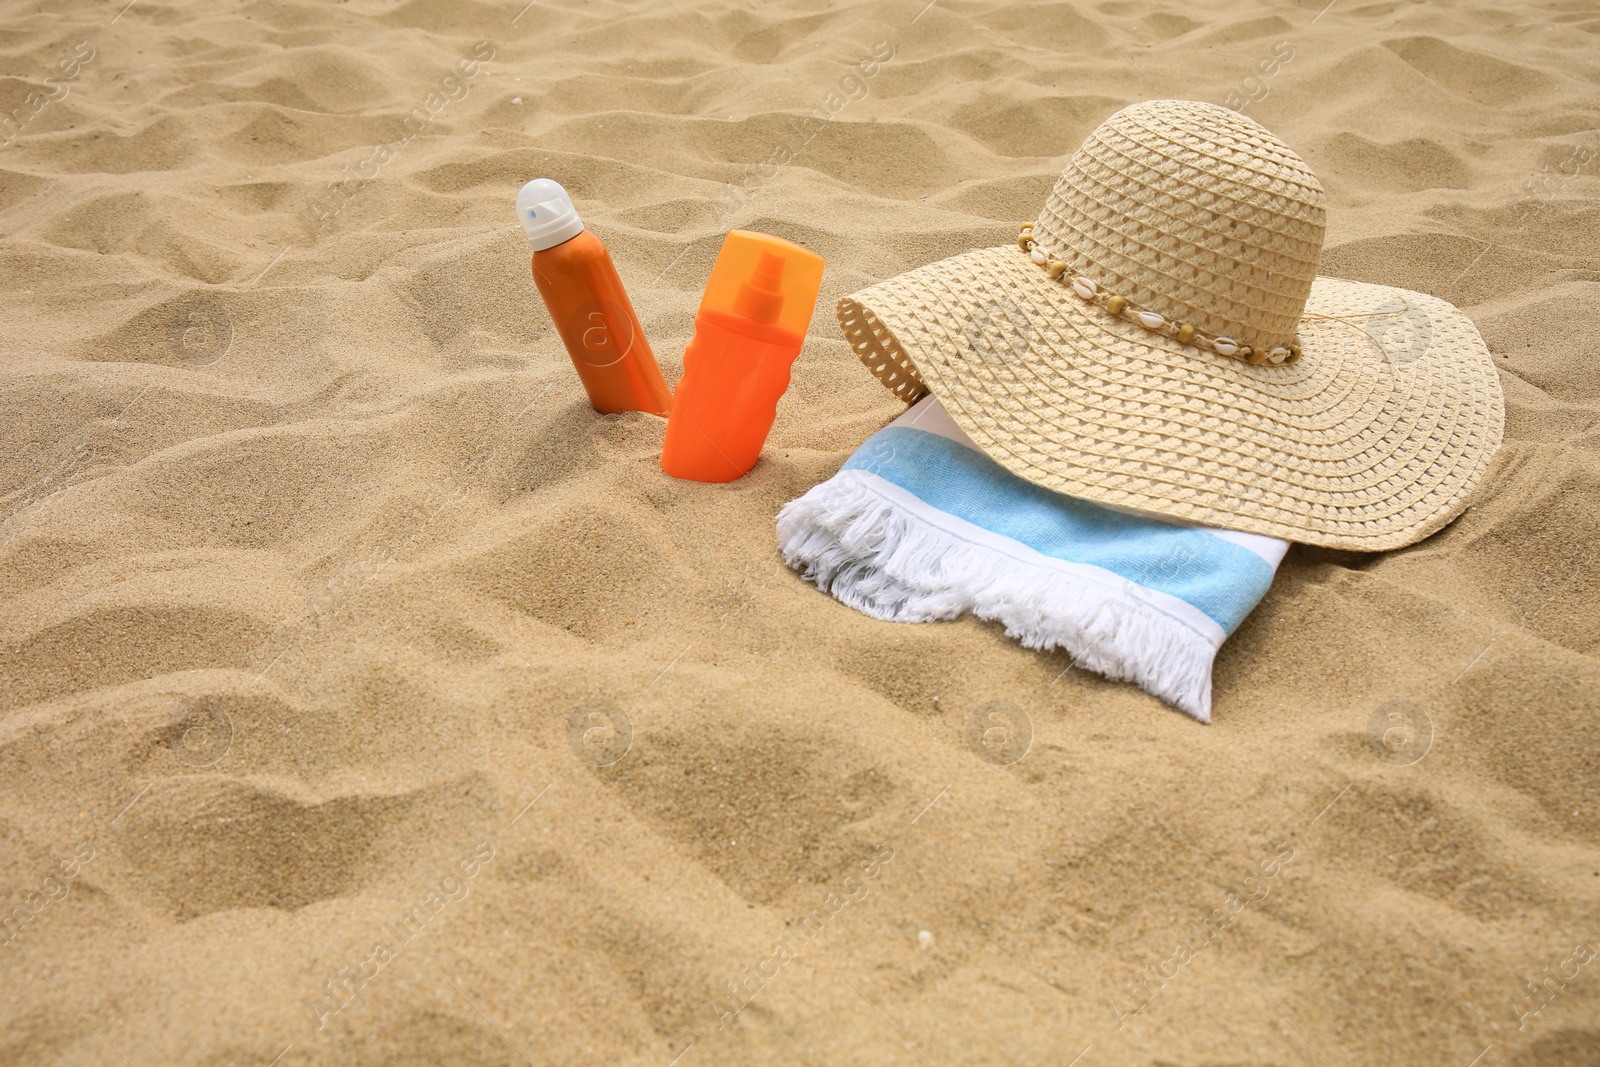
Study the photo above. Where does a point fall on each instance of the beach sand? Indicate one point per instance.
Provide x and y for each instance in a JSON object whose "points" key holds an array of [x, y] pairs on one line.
{"points": [[368, 699]]}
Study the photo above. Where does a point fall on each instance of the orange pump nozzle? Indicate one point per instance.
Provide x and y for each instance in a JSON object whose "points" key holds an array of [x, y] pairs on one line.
{"points": [[761, 298], [764, 280]]}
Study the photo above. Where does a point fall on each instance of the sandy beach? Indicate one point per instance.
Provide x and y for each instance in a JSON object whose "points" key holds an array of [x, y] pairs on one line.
{"points": [[368, 699]]}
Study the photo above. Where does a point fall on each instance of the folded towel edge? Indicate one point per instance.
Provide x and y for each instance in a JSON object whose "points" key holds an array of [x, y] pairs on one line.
{"points": [[873, 555]]}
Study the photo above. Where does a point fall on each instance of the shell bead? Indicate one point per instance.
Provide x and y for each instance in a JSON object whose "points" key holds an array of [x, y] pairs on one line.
{"points": [[1185, 332]]}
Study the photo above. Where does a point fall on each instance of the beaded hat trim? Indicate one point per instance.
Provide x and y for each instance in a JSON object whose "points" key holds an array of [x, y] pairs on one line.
{"points": [[1184, 332]]}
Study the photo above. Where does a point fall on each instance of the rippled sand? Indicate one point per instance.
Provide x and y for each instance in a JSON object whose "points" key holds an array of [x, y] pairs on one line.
{"points": [[367, 699]]}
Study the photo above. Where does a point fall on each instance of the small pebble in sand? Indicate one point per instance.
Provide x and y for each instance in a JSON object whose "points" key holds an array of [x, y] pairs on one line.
{"points": [[924, 940]]}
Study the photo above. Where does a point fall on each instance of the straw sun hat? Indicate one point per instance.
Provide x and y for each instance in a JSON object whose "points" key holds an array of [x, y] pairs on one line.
{"points": [[1159, 340]]}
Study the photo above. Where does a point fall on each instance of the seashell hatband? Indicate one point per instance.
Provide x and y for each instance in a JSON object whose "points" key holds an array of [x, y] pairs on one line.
{"points": [[1184, 332]]}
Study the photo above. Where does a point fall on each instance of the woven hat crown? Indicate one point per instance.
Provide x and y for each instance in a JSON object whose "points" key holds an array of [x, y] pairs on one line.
{"points": [[1193, 211]]}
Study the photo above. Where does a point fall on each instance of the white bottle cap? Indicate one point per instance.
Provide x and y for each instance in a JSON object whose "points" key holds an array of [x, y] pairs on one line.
{"points": [[547, 214]]}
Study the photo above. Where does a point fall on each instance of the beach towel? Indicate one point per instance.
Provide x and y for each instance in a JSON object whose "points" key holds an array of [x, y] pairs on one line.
{"points": [[919, 525]]}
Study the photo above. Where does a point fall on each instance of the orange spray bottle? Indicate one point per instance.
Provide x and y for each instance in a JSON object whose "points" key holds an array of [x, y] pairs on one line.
{"points": [[590, 308], [751, 324]]}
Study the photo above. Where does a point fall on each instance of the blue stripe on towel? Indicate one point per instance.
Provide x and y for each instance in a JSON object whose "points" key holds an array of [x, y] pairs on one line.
{"points": [[1220, 578]]}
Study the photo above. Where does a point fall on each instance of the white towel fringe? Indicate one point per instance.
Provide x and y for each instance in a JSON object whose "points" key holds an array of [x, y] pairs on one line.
{"points": [[876, 557]]}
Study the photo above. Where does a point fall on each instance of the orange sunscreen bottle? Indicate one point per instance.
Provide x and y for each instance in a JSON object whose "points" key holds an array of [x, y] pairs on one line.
{"points": [[590, 308], [752, 321]]}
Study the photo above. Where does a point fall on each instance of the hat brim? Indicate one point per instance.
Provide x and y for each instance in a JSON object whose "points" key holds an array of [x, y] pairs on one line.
{"points": [[1371, 441]]}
